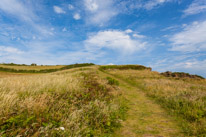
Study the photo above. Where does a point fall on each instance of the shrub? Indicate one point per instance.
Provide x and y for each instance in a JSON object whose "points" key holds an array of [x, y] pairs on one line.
{"points": [[180, 75], [112, 81]]}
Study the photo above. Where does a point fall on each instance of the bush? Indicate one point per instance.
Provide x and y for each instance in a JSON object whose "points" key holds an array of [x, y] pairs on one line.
{"points": [[112, 81], [180, 75]]}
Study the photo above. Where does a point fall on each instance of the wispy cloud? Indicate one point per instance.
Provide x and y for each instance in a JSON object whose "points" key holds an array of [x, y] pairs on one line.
{"points": [[59, 10], [71, 7], [192, 38], [4, 50], [64, 29], [197, 6], [18, 9], [99, 12], [24, 13], [154, 3], [130, 5], [77, 16]]}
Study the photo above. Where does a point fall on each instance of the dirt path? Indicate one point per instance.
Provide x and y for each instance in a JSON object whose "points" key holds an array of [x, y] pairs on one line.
{"points": [[144, 117]]}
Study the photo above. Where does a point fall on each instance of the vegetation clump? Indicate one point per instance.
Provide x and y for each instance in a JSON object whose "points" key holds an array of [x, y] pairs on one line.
{"points": [[112, 81], [124, 67], [180, 75]]}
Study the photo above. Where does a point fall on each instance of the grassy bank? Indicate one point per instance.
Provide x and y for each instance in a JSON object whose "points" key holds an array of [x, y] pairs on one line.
{"points": [[67, 104], [183, 98]]}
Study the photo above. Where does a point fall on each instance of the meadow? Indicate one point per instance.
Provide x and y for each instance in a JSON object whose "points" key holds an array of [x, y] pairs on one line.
{"points": [[89, 100]]}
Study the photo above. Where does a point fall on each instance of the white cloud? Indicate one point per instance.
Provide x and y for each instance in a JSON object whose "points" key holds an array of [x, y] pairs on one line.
{"points": [[71, 7], [191, 39], [91, 5], [99, 12], [196, 7], [128, 31], [138, 36], [58, 10], [8, 50], [77, 16], [115, 40]]}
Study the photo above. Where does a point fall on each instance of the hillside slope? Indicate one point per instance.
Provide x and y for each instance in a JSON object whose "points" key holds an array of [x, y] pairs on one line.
{"points": [[126, 100]]}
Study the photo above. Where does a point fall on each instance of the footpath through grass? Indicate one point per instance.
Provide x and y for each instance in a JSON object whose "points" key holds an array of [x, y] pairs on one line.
{"points": [[182, 98], [144, 117]]}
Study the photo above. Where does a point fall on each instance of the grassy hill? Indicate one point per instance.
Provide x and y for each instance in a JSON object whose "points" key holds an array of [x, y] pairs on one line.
{"points": [[90, 100], [38, 69]]}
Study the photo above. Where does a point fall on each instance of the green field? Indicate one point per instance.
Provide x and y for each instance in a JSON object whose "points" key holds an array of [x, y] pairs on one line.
{"points": [[90, 100]]}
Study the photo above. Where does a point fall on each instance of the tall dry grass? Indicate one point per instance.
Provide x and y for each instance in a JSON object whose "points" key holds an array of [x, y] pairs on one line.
{"points": [[31, 67], [58, 104]]}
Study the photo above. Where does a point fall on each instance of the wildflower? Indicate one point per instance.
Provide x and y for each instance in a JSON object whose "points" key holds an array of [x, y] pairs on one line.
{"points": [[62, 128]]}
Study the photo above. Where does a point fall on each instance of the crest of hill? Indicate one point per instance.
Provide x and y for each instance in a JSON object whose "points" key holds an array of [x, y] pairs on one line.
{"points": [[141, 67], [48, 69], [125, 67]]}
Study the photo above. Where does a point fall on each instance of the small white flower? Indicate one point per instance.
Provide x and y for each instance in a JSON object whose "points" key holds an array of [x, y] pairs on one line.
{"points": [[62, 128]]}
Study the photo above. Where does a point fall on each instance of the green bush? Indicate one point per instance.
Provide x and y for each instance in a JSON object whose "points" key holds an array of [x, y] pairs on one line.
{"points": [[112, 81]]}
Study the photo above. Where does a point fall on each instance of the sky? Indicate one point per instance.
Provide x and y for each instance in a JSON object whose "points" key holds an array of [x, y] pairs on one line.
{"points": [[162, 34]]}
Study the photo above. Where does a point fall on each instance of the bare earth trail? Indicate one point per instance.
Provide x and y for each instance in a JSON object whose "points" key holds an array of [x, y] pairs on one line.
{"points": [[145, 118]]}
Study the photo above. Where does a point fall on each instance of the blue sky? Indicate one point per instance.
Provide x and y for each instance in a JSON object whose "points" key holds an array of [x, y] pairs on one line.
{"points": [[162, 34]]}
